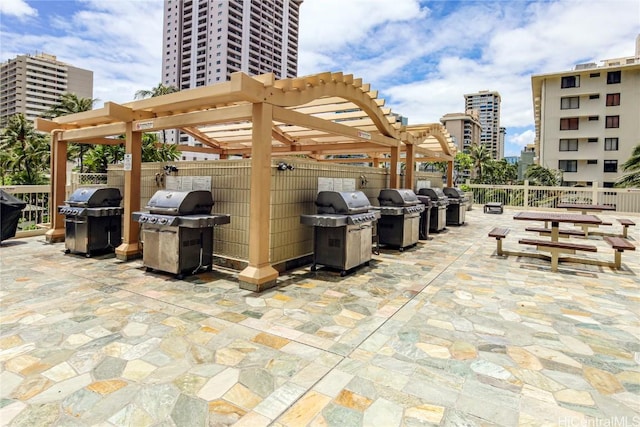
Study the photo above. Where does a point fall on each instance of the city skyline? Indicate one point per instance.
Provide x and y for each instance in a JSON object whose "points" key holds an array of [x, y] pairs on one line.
{"points": [[422, 57]]}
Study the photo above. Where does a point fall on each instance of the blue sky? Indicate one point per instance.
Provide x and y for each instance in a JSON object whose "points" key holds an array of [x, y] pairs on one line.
{"points": [[421, 56]]}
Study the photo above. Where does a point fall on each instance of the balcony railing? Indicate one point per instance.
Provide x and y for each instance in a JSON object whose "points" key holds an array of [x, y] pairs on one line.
{"points": [[528, 196], [35, 217]]}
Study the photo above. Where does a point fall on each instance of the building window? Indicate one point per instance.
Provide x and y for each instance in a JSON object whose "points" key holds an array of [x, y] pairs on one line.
{"points": [[594, 75], [611, 166], [592, 139], [570, 123], [568, 145], [614, 77], [613, 122], [569, 103], [611, 144], [595, 96], [568, 165], [613, 99], [594, 118], [592, 162], [570, 81]]}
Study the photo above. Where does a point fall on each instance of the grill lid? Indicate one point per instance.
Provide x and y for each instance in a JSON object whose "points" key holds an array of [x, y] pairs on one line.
{"points": [[453, 192], [425, 200], [170, 202], [397, 197], [433, 193], [95, 197], [342, 202]]}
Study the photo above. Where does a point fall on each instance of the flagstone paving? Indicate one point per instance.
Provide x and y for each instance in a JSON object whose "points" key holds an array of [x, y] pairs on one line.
{"points": [[445, 333]]}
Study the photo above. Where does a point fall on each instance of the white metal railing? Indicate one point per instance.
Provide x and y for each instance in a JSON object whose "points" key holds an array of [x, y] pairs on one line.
{"points": [[528, 196], [35, 217]]}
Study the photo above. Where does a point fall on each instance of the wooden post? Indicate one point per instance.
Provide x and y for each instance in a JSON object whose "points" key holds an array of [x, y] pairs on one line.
{"points": [[450, 174], [259, 274], [129, 248], [410, 166], [393, 167], [58, 187]]}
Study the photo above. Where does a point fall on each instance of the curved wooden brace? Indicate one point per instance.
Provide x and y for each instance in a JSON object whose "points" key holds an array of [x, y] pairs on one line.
{"points": [[300, 91]]}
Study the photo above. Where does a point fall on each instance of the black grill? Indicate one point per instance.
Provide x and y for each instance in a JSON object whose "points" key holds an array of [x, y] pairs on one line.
{"points": [[342, 229], [439, 203], [457, 208], [400, 212], [93, 220]]}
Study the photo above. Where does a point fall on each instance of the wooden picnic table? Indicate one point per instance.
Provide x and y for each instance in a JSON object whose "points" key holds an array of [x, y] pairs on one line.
{"points": [[554, 246], [584, 208], [556, 219]]}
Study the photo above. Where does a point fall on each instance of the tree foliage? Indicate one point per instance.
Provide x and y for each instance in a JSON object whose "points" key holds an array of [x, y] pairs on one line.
{"points": [[539, 175], [26, 153], [631, 167]]}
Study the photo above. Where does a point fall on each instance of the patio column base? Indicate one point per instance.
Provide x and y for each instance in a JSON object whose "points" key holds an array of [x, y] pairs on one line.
{"points": [[257, 279], [55, 235], [128, 251]]}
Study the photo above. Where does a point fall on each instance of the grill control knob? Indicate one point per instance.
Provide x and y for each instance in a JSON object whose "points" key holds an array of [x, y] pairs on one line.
{"points": [[76, 211], [162, 221], [153, 220], [143, 219]]}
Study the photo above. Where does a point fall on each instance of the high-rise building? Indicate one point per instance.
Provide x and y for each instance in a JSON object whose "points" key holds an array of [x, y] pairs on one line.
{"points": [[588, 119], [205, 41], [465, 128], [32, 85], [487, 104]]}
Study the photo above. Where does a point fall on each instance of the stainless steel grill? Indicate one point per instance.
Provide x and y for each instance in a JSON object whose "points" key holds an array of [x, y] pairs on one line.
{"points": [[177, 231], [342, 230], [400, 212], [93, 220], [457, 207], [439, 203]]}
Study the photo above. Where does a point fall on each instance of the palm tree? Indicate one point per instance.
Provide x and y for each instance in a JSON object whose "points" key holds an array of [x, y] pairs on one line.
{"points": [[632, 166], [70, 103], [539, 175], [157, 91], [480, 155], [28, 151]]}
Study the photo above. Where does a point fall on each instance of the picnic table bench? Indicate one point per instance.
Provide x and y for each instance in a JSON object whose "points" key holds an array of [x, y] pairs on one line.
{"points": [[493, 207], [619, 244], [557, 248]]}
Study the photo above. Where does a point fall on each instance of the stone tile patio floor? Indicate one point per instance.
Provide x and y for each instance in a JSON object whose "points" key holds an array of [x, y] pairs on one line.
{"points": [[445, 333]]}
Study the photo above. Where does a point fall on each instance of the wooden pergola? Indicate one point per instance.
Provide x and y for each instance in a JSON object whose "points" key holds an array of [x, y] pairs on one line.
{"points": [[319, 116]]}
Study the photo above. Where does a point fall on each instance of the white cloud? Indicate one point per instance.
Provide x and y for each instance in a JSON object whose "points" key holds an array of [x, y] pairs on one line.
{"points": [[18, 8], [522, 139]]}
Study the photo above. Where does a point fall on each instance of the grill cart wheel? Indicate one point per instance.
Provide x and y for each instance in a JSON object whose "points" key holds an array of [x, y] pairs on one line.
{"points": [[343, 273], [314, 267], [179, 276], [67, 251], [88, 255]]}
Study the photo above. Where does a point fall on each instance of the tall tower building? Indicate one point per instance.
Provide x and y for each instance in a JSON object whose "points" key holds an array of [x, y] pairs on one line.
{"points": [[207, 40], [487, 104], [587, 119], [32, 85]]}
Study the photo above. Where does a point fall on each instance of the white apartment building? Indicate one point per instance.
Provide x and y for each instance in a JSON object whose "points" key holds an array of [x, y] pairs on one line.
{"points": [[33, 84], [588, 119], [207, 40], [487, 104]]}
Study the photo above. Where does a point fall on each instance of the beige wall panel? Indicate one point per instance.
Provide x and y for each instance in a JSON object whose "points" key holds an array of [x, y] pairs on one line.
{"points": [[293, 194]]}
